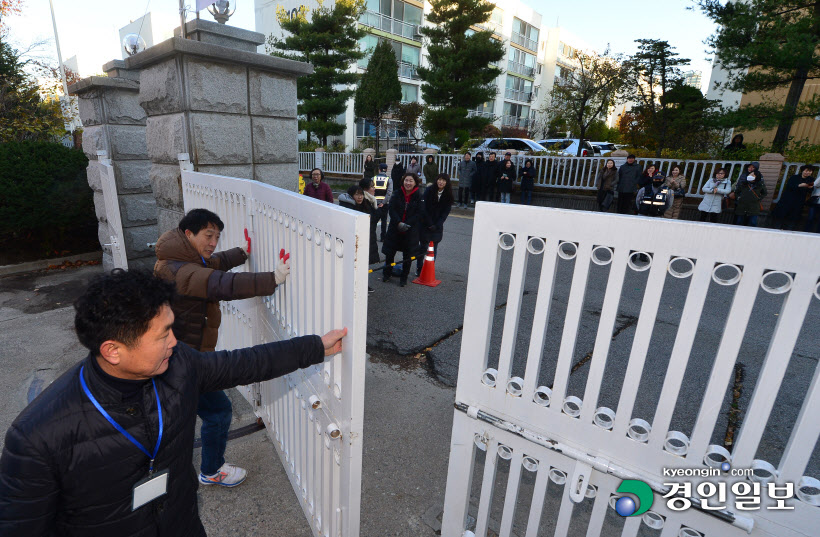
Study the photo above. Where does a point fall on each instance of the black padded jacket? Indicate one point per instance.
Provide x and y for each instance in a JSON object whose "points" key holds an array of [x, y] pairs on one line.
{"points": [[66, 471]]}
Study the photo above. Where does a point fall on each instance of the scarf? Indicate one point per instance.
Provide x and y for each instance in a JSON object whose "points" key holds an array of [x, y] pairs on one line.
{"points": [[407, 200]]}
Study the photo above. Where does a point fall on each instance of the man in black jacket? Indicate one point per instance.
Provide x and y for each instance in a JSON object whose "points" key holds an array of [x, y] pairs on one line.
{"points": [[106, 449], [629, 175]]}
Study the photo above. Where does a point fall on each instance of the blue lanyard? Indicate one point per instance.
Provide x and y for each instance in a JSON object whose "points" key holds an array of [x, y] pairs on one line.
{"points": [[123, 431]]}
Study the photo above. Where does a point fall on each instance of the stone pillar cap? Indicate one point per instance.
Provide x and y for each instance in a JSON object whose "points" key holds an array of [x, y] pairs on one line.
{"points": [[221, 34], [217, 53]]}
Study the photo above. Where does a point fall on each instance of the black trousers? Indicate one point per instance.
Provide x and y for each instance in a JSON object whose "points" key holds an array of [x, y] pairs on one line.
{"points": [[383, 219], [626, 203], [711, 217]]}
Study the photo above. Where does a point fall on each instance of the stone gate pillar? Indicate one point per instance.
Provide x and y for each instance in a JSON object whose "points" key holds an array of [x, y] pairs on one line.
{"points": [[114, 122], [771, 167], [231, 109]]}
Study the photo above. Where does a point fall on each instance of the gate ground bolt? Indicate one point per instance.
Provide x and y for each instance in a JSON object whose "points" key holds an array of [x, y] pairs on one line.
{"points": [[315, 403]]}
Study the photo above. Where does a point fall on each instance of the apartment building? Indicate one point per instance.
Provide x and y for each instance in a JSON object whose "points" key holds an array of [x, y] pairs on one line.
{"points": [[533, 57]]}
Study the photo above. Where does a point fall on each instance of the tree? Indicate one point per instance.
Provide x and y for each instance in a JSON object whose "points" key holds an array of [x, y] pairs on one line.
{"points": [[8, 7], [767, 45], [690, 119], [24, 115], [653, 70], [460, 75], [330, 41], [408, 115], [587, 92], [379, 90]]}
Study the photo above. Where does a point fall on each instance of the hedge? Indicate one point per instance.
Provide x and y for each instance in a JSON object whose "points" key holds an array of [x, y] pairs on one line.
{"points": [[44, 193]]}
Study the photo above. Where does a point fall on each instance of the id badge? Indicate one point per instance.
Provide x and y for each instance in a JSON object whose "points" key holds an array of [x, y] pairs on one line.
{"points": [[149, 489]]}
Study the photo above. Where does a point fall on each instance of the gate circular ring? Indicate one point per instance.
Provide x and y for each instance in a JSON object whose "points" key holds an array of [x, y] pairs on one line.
{"points": [[727, 281], [677, 273], [502, 241], [777, 290], [597, 260]]}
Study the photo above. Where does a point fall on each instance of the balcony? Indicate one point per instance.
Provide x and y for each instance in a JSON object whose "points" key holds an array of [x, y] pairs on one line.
{"points": [[408, 70], [480, 113], [515, 121], [490, 26], [520, 68], [525, 42], [518, 95], [390, 25]]}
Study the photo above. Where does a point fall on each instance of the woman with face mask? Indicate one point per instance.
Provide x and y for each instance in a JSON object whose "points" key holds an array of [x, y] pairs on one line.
{"points": [[749, 193]]}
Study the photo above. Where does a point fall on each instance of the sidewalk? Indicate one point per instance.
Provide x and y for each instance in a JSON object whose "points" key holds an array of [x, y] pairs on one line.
{"points": [[408, 418]]}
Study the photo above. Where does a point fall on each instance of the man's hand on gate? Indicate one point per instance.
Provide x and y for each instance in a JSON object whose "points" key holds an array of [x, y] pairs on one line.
{"points": [[333, 341]]}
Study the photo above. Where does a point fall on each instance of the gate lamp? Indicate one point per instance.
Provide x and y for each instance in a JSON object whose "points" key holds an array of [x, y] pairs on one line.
{"points": [[221, 10]]}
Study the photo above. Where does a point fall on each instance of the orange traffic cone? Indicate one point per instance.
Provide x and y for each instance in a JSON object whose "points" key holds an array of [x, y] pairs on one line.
{"points": [[428, 270]]}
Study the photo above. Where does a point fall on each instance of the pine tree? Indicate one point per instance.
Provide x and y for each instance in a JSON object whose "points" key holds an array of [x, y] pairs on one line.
{"points": [[654, 70], [379, 90], [460, 75], [768, 45], [330, 41]]}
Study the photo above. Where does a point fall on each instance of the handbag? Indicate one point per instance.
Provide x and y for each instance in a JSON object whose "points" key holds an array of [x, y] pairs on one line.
{"points": [[760, 203]]}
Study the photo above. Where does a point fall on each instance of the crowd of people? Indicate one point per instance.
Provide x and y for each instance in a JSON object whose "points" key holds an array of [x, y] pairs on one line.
{"points": [[646, 192], [413, 202]]}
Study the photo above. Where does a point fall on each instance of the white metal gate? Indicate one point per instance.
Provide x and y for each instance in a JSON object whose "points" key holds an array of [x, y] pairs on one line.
{"points": [[573, 449], [314, 416], [112, 210]]}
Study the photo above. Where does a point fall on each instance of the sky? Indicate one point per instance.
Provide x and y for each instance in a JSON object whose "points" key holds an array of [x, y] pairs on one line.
{"points": [[89, 28]]}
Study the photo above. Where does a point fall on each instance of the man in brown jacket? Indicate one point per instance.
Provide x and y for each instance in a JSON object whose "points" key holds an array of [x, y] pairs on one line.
{"points": [[186, 257]]}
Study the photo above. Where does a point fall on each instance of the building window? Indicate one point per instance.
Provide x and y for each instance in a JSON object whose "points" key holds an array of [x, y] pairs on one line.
{"points": [[409, 93]]}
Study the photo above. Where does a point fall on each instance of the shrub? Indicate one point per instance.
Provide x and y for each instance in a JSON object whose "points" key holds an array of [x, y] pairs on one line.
{"points": [[44, 193]]}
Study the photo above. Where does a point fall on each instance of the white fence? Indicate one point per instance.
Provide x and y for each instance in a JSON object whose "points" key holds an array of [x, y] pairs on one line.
{"points": [[314, 416], [572, 173], [112, 210], [518, 406]]}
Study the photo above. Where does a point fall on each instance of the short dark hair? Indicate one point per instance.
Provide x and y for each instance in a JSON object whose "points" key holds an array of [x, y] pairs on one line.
{"points": [[805, 167], [365, 183], [119, 306], [352, 190], [468, 153], [631, 155], [199, 219], [321, 173]]}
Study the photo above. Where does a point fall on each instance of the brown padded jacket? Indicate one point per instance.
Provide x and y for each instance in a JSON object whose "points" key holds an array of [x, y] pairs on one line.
{"points": [[202, 284]]}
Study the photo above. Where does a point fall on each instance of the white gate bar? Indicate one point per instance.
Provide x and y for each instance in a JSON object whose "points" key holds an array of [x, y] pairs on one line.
{"points": [[513, 310], [640, 343], [681, 350], [606, 325], [538, 494], [572, 321], [565, 512], [733, 333], [786, 332], [540, 321], [459, 476], [511, 498], [631, 526], [599, 508], [804, 436], [485, 503]]}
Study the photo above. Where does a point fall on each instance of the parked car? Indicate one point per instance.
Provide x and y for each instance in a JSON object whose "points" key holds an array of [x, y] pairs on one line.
{"points": [[568, 147], [502, 144], [603, 148]]}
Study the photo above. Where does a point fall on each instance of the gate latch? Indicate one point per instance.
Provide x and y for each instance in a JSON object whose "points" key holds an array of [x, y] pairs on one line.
{"points": [[580, 481]]}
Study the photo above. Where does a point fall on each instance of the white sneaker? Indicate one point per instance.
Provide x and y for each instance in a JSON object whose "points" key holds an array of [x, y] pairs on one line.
{"points": [[227, 476]]}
